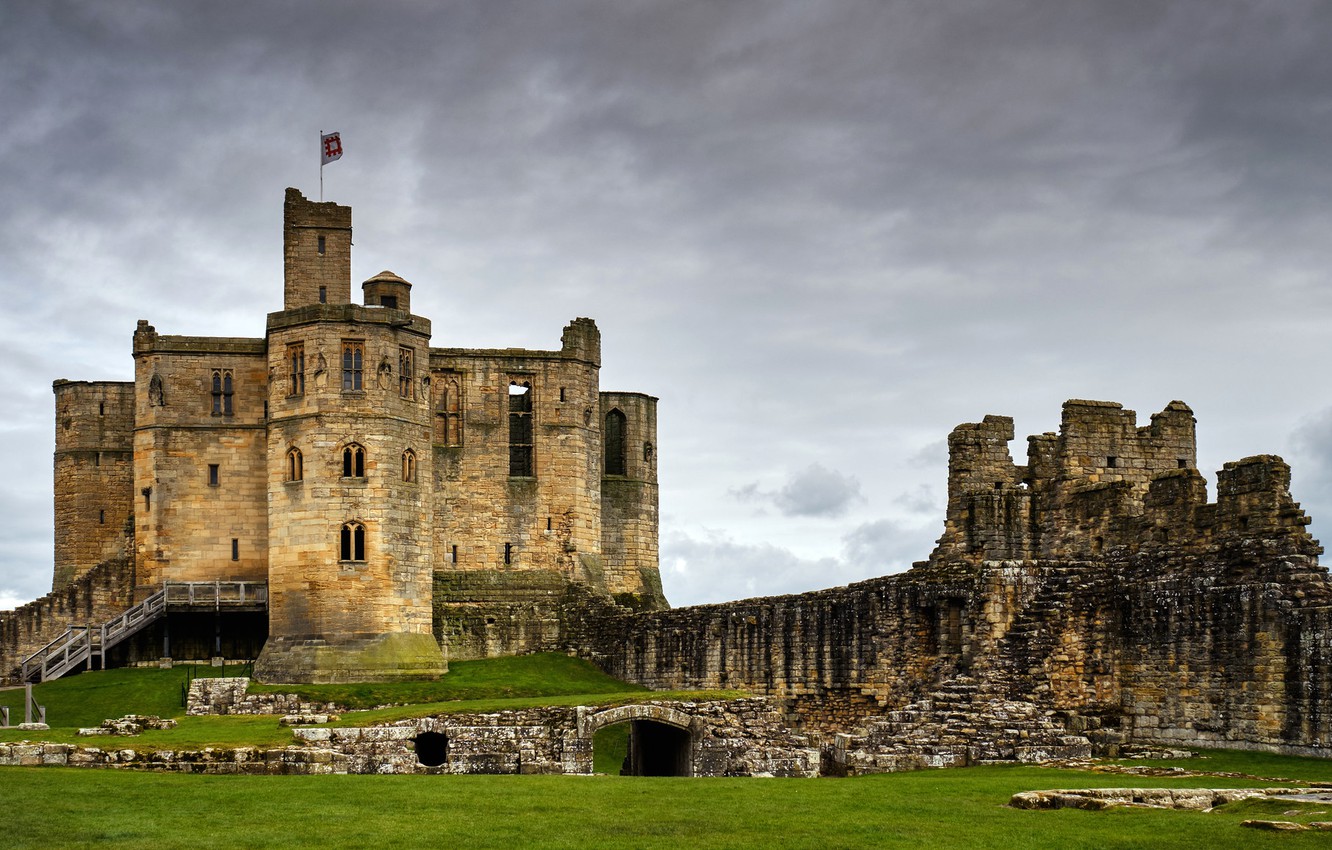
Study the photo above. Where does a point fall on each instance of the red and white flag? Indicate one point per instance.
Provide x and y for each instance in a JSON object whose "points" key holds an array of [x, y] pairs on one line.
{"points": [[330, 147]]}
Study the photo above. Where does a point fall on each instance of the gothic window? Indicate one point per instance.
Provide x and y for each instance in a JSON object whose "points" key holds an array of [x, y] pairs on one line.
{"points": [[406, 375], [520, 430], [353, 361], [409, 465], [351, 545], [222, 387], [353, 461], [295, 465], [614, 437], [449, 414], [296, 366]]}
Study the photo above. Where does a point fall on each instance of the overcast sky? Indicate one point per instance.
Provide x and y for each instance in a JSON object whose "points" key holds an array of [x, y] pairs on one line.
{"points": [[822, 233]]}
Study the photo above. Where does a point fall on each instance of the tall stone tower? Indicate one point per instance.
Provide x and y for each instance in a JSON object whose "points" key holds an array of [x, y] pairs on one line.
{"points": [[350, 485]]}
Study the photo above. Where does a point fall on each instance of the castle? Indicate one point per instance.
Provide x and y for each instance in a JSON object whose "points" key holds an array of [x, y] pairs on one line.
{"points": [[341, 500], [342, 461]]}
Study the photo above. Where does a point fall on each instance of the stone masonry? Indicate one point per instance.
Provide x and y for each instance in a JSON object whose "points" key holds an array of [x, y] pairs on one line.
{"points": [[347, 463]]}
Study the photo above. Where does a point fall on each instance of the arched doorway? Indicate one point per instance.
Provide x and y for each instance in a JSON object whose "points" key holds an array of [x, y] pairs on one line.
{"points": [[660, 741]]}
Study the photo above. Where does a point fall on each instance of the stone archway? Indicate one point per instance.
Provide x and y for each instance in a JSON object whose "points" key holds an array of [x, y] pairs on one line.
{"points": [[661, 739]]}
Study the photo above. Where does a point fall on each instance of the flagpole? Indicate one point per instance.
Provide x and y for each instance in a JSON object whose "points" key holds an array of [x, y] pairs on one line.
{"points": [[321, 166]]}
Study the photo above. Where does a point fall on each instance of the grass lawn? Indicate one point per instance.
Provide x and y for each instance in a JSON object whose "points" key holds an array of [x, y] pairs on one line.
{"points": [[962, 808], [491, 685]]}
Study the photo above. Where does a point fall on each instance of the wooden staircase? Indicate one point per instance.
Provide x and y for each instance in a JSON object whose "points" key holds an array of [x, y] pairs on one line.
{"points": [[81, 644]]}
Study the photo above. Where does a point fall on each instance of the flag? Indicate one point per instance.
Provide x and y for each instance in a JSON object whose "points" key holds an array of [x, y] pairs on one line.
{"points": [[330, 147]]}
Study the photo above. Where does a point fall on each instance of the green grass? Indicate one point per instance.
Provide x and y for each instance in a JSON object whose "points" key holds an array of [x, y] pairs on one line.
{"points": [[86, 699], [540, 675], [55, 807], [492, 685], [610, 745], [963, 808]]}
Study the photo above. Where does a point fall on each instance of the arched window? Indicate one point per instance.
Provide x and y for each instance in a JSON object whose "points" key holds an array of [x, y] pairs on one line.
{"points": [[352, 542], [295, 465], [353, 461], [409, 465], [222, 390], [520, 430], [613, 435], [449, 413]]}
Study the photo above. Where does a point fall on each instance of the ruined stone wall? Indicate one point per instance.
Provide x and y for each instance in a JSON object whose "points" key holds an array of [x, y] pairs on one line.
{"points": [[1102, 484], [629, 512], [489, 519], [93, 597], [187, 516], [94, 474], [840, 653]]}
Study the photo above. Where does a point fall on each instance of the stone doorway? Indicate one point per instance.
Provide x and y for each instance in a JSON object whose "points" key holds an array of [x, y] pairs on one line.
{"points": [[660, 739], [657, 749]]}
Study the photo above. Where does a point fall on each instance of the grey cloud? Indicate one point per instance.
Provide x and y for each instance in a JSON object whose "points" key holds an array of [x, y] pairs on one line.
{"points": [[884, 546], [825, 231], [816, 491]]}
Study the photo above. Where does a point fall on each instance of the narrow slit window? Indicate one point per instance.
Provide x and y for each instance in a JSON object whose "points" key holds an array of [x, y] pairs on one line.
{"points": [[323, 295], [235, 549], [449, 413], [322, 244], [520, 430], [296, 366], [508, 553], [614, 437], [406, 372], [214, 474], [101, 517]]}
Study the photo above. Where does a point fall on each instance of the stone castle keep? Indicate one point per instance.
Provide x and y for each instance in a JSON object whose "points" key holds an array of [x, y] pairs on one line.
{"points": [[341, 501], [347, 466]]}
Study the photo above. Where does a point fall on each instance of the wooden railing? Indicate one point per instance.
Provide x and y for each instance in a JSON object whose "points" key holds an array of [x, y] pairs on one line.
{"points": [[81, 644]]}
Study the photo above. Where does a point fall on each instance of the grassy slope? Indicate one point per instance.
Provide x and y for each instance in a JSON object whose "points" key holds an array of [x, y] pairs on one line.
{"points": [[471, 686]]}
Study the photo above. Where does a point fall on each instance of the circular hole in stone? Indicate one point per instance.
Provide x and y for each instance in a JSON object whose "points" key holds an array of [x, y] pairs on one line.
{"points": [[432, 748]]}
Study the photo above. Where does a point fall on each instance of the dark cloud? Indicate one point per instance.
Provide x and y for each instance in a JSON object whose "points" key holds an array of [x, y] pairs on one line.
{"points": [[822, 233]]}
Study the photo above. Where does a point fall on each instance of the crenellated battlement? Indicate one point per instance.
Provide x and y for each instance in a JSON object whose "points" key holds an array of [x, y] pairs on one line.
{"points": [[1103, 483]]}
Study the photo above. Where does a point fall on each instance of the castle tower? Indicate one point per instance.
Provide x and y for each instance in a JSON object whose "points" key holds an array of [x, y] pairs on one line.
{"points": [[94, 474], [350, 485], [629, 499]]}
